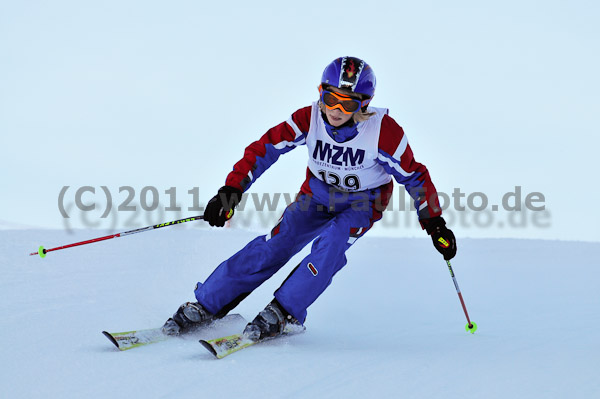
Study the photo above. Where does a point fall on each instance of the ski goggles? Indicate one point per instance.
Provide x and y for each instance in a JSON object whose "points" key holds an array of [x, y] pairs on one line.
{"points": [[346, 104]]}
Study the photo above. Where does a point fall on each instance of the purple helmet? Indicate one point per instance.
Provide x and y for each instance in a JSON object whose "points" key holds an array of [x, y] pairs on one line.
{"points": [[350, 73]]}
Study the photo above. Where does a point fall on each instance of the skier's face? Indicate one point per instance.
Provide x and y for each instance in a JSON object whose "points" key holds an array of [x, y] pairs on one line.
{"points": [[336, 117]]}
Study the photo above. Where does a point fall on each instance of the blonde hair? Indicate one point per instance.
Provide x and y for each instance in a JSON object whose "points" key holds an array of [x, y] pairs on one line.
{"points": [[357, 117]]}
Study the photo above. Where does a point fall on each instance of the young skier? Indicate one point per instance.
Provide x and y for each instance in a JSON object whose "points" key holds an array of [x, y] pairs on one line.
{"points": [[354, 151]]}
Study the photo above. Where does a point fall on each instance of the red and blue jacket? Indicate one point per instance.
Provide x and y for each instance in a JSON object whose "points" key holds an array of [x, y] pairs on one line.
{"points": [[395, 156]]}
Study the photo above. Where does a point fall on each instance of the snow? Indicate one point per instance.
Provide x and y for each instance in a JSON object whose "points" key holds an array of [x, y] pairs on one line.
{"points": [[390, 325]]}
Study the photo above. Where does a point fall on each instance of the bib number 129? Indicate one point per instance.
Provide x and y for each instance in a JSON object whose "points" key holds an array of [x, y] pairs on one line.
{"points": [[349, 182]]}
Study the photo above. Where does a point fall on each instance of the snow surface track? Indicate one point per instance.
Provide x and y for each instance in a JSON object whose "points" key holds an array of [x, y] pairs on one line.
{"points": [[389, 326]]}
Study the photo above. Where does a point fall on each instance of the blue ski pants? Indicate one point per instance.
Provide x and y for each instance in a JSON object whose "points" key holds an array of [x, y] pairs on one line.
{"points": [[336, 219]]}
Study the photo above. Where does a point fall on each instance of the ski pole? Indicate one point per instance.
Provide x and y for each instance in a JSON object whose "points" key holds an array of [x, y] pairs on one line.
{"points": [[42, 251], [470, 327]]}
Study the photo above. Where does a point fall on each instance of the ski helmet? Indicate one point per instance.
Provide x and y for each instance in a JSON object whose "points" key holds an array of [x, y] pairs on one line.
{"points": [[350, 73]]}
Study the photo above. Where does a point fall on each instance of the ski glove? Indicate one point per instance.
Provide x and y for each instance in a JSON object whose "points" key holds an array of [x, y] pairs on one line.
{"points": [[442, 237], [220, 208]]}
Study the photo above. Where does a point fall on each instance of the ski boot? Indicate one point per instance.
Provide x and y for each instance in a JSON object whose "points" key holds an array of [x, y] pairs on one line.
{"points": [[274, 320], [188, 317]]}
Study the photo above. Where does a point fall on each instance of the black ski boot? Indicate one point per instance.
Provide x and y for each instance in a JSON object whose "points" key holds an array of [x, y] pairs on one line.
{"points": [[188, 317], [274, 320]]}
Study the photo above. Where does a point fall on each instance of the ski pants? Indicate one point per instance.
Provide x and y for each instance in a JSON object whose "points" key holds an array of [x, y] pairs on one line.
{"points": [[336, 219]]}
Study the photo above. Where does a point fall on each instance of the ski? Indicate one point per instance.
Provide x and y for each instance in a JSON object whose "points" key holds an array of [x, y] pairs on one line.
{"points": [[224, 346], [133, 339]]}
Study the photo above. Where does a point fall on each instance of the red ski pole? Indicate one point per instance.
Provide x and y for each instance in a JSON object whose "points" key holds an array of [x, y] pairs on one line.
{"points": [[42, 251], [470, 327]]}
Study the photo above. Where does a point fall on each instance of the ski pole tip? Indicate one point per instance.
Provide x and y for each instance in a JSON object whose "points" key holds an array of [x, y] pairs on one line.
{"points": [[471, 327]]}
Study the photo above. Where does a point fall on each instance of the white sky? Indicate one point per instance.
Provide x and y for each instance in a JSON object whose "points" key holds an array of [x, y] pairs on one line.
{"points": [[168, 94]]}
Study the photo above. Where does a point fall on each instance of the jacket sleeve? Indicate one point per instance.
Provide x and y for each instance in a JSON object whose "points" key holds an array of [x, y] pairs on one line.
{"points": [[396, 156], [263, 153]]}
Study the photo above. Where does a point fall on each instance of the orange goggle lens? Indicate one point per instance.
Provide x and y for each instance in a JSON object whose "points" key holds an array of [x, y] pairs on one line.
{"points": [[347, 105]]}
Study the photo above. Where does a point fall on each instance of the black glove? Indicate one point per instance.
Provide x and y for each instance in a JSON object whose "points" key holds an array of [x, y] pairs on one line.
{"points": [[442, 237], [220, 208]]}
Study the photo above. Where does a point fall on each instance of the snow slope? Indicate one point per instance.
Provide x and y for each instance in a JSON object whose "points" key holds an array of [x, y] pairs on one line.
{"points": [[389, 326]]}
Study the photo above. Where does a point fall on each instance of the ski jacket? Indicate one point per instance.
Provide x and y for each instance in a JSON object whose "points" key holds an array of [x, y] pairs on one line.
{"points": [[394, 157]]}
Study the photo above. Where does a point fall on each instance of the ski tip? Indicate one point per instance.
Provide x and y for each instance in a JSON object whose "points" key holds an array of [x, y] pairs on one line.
{"points": [[111, 339], [209, 347]]}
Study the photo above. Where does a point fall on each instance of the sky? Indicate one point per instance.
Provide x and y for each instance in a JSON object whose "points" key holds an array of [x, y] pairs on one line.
{"points": [[495, 99]]}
